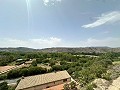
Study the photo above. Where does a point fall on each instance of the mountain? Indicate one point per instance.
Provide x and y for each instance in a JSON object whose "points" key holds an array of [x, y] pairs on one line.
{"points": [[63, 49], [18, 49], [82, 49]]}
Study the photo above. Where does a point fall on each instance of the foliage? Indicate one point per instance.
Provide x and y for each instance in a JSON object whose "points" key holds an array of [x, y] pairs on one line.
{"points": [[52, 62], [83, 67], [56, 67], [3, 77], [26, 72], [34, 63], [70, 86], [106, 76], [3, 86], [89, 87]]}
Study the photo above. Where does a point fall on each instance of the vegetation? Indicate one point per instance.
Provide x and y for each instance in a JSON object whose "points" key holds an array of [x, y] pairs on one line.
{"points": [[25, 72], [3, 86], [70, 86], [83, 67]]}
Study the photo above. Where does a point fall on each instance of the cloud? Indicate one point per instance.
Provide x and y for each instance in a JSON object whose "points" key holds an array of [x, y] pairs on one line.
{"points": [[32, 43], [46, 2], [49, 42], [111, 42], [57, 42], [106, 18], [50, 2]]}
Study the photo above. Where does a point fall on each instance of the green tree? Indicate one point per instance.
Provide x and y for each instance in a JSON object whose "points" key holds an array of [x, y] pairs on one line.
{"points": [[34, 63], [3, 86], [56, 67], [70, 86]]}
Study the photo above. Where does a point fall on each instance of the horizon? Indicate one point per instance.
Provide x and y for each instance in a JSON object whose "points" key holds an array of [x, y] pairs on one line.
{"points": [[57, 47], [43, 24]]}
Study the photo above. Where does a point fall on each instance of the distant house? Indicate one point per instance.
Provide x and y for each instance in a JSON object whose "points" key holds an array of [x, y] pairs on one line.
{"points": [[28, 62], [19, 60], [49, 81]]}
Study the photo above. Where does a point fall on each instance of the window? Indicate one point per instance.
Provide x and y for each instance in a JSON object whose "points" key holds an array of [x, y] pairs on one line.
{"points": [[64, 80], [47, 87]]}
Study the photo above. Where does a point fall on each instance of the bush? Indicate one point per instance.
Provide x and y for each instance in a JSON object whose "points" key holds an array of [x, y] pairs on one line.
{"points": [[26, 72], [52, 63], [34, 63], [56, 67], [71, 86], [106, 76], [89, 87], [2, 77], [3, 86]]}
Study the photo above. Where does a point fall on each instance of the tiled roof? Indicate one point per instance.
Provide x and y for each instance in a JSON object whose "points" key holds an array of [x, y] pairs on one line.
{"points": [[42, 79]]}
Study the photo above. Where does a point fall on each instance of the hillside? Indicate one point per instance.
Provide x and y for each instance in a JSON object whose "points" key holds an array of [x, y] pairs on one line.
{"points": [[18, 49], [64, 49], [81, 49]]}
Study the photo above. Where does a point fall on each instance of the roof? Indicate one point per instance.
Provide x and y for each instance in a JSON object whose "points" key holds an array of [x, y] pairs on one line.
{"points": [[28, 62], [5, 68], [36, 80]]}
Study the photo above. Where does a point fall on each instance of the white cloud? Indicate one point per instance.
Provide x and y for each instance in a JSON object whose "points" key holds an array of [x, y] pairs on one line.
{"points": [[46, 2], [57, 42], [50, 2], [32, 43], [49, 42], [111, 42], [106, 18]]}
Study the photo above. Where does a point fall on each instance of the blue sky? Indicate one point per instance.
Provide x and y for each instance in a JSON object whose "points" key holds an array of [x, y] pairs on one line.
{"points": [[59, 23]]}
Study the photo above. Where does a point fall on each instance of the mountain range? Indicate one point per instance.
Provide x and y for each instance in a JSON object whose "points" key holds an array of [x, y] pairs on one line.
{"points": [[63, 49]]}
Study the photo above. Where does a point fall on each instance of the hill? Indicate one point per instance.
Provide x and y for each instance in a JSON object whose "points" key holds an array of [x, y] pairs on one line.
{"points": [[63, 49], [18, 49], [81, 49]]}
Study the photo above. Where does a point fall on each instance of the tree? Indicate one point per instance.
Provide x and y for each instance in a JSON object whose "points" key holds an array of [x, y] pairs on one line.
{"points": [[3, 86], [56, 67], [34, 63], [70, 86], [66, 87], [52, 62], [73, 86]]}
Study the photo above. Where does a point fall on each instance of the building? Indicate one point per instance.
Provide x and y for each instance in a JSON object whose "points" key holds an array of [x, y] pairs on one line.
{"points": [[28, 63], [19, 60], [45, 81]]}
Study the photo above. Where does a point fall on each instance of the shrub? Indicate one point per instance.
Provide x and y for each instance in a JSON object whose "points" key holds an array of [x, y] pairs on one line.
{"points": [[3, 86]]}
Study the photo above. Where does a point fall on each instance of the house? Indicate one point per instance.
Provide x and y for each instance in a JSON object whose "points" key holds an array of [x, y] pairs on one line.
{"points": [[28, 63], [45, 81], [19, 60]]}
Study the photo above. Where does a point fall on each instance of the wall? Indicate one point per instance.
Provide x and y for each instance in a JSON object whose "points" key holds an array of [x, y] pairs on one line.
{"points": [[48, 85]]}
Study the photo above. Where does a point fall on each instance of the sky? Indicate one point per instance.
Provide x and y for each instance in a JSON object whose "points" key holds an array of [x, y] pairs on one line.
{"points": [[59, 23]]}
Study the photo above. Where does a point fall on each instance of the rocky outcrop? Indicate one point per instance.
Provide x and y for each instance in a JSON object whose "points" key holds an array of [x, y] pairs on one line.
{"points": [[101, 84], [115, 84]]}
